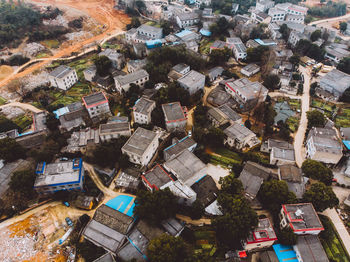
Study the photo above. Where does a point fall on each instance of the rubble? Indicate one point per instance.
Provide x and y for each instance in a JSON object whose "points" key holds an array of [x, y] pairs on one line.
{"points": [[32, 49], [77, 35], [58, 21]]}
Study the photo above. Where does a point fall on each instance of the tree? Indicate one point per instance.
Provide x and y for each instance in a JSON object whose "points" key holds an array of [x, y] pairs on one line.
{"points": [[268, 114], [231, 185], [272, 82], [135, 22], [10, 150], [256, 54], [103, 64], [318, 171], [344, 65], [274, 193], [248, 124], [219, 56], [285, 31], [52, 122], [287, 237], [294, 59], [321, 196], [167, 248], [315, 35], [214, 137], [197, 210], [343, 26], [23, 182], [155, 207], [200, 115], [345, 97], [166, 27], [315, 119]]}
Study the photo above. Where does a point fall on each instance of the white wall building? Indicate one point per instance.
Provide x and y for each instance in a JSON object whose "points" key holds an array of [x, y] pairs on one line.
{"points": [[142, 110], [122, 83], [97, 105], [63, 77], [187, 19]]}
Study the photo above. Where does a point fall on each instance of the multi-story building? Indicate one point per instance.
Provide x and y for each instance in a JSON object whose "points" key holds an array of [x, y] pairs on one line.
{"points": [[277, 14], [238, 48], [139, 78], [90, 73], [150, 31], [135, 65], [223, 114], [250, 70], [238, 136], [175, 116], [260, 17], [142, 110], [301, 218], [192, 81], [141, 146], [54, 177], [156, 178], [335, 82], [97, 105], [264, 5], [295, 18], [116, 58], [295, 37], [114, 130], [187, 19], [186, 143], [63, 77]]}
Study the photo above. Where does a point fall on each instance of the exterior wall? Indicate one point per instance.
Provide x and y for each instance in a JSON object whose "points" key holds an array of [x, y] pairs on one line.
{"points": [[277, 16], [147, 155], [176, 125], [88, 76], [140, 82], [285, 223], [238, 144], [185, 23], [65, 83], [193, 89], [249, 74], [298, 20], [143, 118], [258, 245], [149, 33], [108, 137], [99, 110], [323, 157], [239, 55]]}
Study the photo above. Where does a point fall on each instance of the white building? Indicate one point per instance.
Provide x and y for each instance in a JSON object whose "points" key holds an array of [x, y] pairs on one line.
{"points": [[335, 82], [277, 14], [238, 136], [175, 116], [250, 70], [90, 73], [150, 31], [264, 5], [187, 19], [139, 78], [114, 130], [192, 81], [63, 77], [295, 37], [238, 48], [141, 146], [299, 19], [97, 105], [142, 110]]}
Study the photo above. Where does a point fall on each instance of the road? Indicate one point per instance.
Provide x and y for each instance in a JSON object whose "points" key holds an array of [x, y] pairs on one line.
{"points": [[24, 106], [328, 22], [305, 106]]}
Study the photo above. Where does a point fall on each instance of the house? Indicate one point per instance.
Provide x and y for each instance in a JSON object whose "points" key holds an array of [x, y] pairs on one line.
{"points": [[252, 177], [215, 72], [274, 31], [220, 45], [240, 137], [263, 236], [299, 19], [276, 14], [135, 65], [192, 45], [282, 156], [301, 218], [173, 226], [110, 131], [250, 70], [178, 71], [32, 139], [335, 82], [137, 242], [187, 19], [239, 49], [139, 78], [248, 94], [295, 37], [108, 228], [192, 82], [63, 77], [115, 57], [80, 140], [175, 116], [142, 110], [271, 143], [128, 179], [156, 178], [235, 8], [90, 73], [260, 17], [294, 179], [336, 53], [187, 36], [97, 105], [141, 146], [71, 116], [322, 145], [186, 167], [150, 31], [222, 115], [54, 177], [186, 143], [309, 248], [200, 3], [264, 5], [206, 190]]}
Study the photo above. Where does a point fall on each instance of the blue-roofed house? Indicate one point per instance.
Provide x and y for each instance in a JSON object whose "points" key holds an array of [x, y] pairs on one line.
{"points": [[205, 32], [285, 253]]}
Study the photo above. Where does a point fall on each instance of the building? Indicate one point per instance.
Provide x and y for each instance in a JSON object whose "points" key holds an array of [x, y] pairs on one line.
{"points": [[335, 53], [142, 110], [335, 82], [282, 156], [71, 116], [115, 130], [301, 218], [238, 48], [206, 190], [63, 77], [90, 73], [135, 65], [84, 202], [264, 5], [156, 178], [108, 228], [128, 179], [240, 137], [299, 19], [260, 17], [322, 145], [263, 236], [178, 71], [295, 37], [309, 248], [54, 177], [186, 143], [141, 146], [175, 116], [173, 226], [150, 31], [250, 70], [295, 180], [220, 45], [223, 114], [192, 82], [115, 57], [80, 140], [215, 72], [187, 19], [123, 82], [248, 94], [276, 14], [252, 177], [97, 105]]}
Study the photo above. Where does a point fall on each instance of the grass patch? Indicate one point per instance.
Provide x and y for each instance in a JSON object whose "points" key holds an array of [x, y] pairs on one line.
{"points": [[205, 241], [79, 66], [204, 46], [343, 118], [51, 43], [23, 121], [112, 46], [72, 95], [42, 55], [2, 101], [293, 123], [225, 157]]}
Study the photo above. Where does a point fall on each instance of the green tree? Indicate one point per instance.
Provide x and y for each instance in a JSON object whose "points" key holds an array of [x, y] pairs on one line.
{"points": [[274, 193], [248, 124], [315, 35], [343, 26], [52, 122], [315, 118], [345, 97], [269, 114], [103, 64], [285, 31], [135, 22], [318, 171], [287, 237], [167, 248], [214, 137], [200, 115], [219, 56], [155, 207], [321, 196], [256, 54], [23, 182], [294, 59], [344, 65], [231, 185], [167, 29], [197, 210], [272, 82], [10, 150]]}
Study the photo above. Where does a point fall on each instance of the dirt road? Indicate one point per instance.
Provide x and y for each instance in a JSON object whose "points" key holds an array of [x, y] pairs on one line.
{"points": [[329, 22], [305, 106], [24, 106], [101, 10]]}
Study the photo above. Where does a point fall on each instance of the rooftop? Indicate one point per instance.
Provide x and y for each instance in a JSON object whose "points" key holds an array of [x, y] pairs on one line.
{"points": [[337, 79], [286, 154], [238, 132], [325, 140], [302, 217], [188, 16], [140, 140], [156, 177], [180, 67], [111, 54], [310, 249], [132, 77], [279, 143], [250, 68], [262, 233], [247, 88], [191, 79], [229, 112], [206, 190], [114, 127], [149, 28], [179, 146], [290, 173], [173, 112], [172, 226], [95, 99], [61, 71], [144, 106]]}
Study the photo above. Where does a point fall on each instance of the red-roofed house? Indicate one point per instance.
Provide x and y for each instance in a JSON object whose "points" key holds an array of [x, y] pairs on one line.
{"points": [[156, 178], [97, 104]]}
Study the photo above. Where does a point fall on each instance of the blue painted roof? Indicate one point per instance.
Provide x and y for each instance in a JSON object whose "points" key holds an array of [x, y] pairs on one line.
{"points": [[261, 42], [153, 43], [61, 111], [285, 253], [347, 144], [183, 33], [205, 32]]}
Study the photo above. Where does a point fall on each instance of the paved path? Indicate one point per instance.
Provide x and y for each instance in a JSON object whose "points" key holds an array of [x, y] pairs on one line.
{"points": [[24, 106], [305, 106], [328, 22]]}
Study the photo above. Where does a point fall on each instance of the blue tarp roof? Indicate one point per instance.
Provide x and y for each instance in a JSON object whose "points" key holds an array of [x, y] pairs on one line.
{"points": [[153, 43], [205, 32], [261, 42], [183, 33], [61, 111], [347, 144], [285, 253]]}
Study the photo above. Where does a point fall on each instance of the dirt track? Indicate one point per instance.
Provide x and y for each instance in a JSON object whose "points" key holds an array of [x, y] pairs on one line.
{"points": [[102, 11]]}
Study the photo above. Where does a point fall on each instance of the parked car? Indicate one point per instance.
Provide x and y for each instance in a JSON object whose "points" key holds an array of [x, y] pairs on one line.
{"points": [[66, 204], [69, 222]]}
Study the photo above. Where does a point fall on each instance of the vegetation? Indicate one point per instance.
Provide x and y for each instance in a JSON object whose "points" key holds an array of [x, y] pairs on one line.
{"points": [[315, 35], [344, 65], [219, 56], [285, 32], [321, 196], [135, 22], [257, 54], [345, 97], [10, 150], [305, 47], [315, 119], [103, 64], [23, 182], [7, 125], [272, 82], [287, 237], [220, 28], [331, 9], [317, 171], [343, 26]]}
